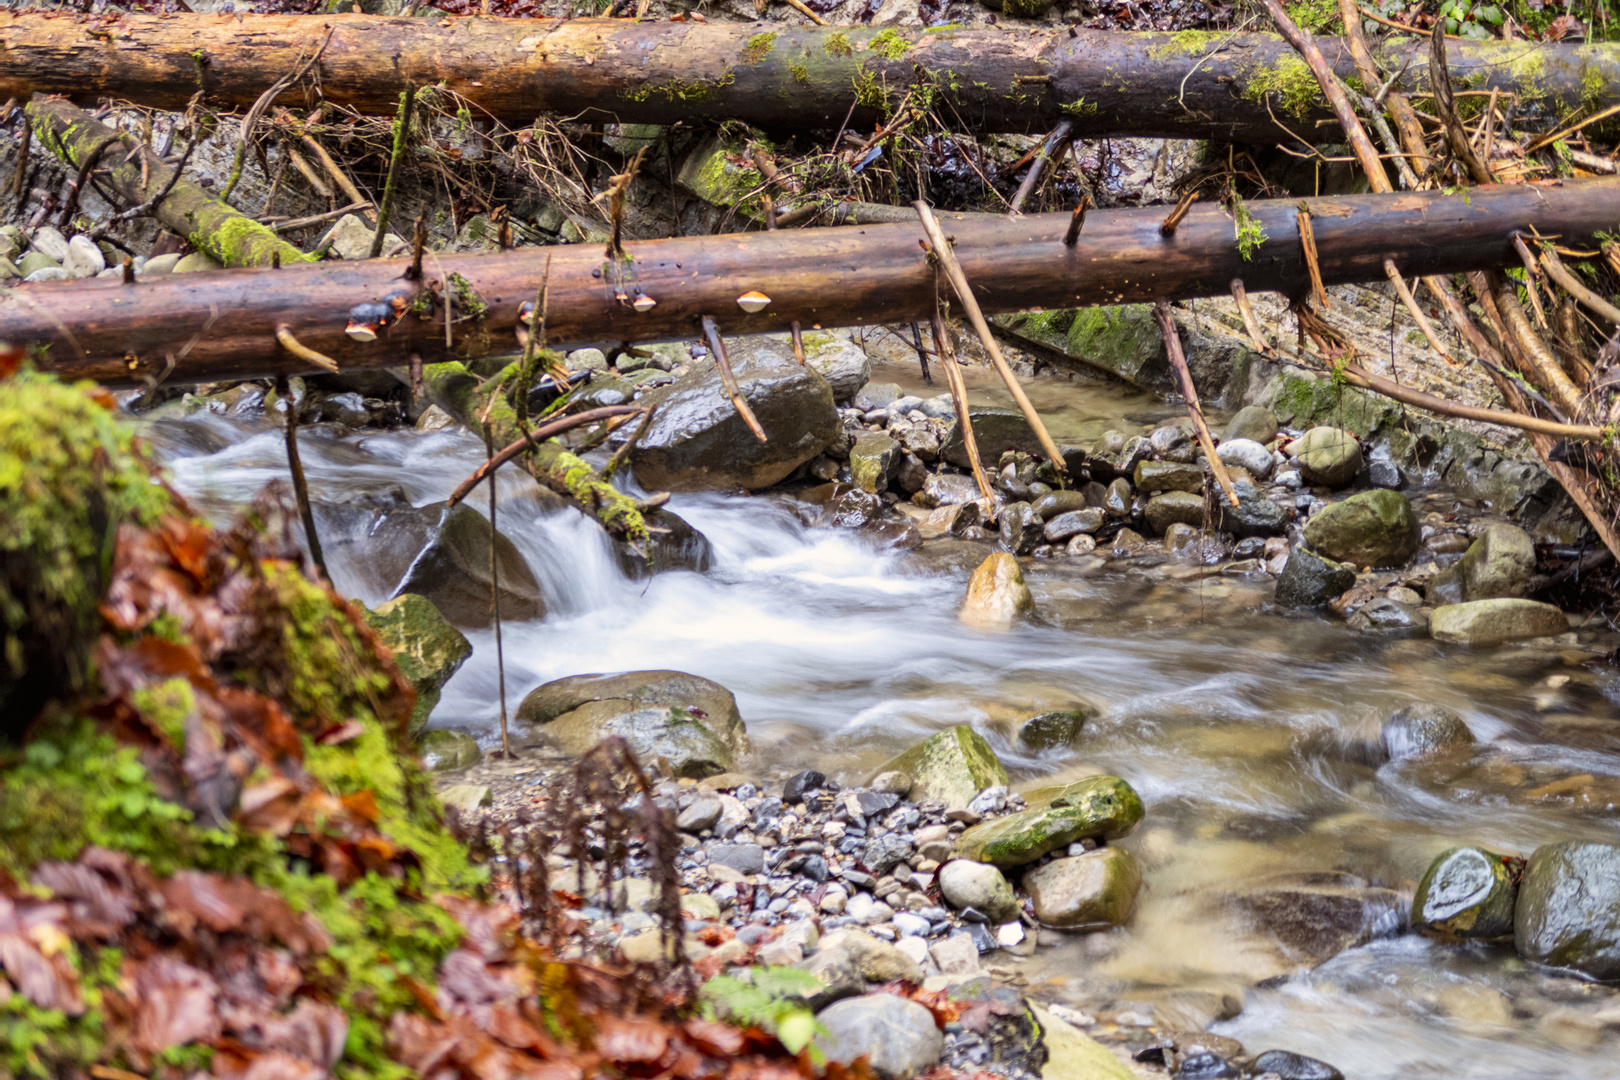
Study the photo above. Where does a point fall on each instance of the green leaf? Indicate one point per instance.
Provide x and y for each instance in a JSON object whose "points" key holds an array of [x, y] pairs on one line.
{"points": [[131, 772], [797, 1029]]}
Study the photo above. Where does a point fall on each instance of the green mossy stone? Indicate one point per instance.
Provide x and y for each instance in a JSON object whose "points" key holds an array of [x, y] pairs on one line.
{"points": [[952, 766], [871, 460], [1568, 912], [1370, 528], [1328, 456], [1098, 807], [426, 647], [1498, 564], [1468, 892], [1052, 730], [448, 751], [1251, 422]]}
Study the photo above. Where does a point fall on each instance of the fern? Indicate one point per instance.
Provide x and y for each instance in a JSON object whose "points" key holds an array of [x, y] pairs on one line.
{"points": [[770, 998]]}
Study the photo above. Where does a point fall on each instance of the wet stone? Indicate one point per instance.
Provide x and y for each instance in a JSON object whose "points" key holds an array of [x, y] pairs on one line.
{"points": [[1424, 731], [1309, 580], [1468, 892], [1252, 422], [1286, 1065], [1568, 912], [1021, 528]]}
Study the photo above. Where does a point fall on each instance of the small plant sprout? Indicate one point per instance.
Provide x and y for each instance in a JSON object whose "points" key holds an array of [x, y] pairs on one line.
{"points": [[366, 319], [753, 301]]}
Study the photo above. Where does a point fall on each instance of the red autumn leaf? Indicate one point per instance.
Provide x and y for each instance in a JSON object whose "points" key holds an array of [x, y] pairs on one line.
{"points": [[176, 1004], [11, 358]]}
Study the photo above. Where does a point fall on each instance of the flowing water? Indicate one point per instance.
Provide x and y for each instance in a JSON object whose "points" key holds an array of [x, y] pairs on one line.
{"points": [[1238, 726]]}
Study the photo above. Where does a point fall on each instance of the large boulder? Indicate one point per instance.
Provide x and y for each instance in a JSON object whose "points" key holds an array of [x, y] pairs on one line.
{"points": [[698, 441], [1094, 890], [1328, 456], [996, 594], [450, 564], [1371, 528], [1498, 564], [897, 1037], [689, 720], [995, 431], [1308, 580], [1491, 622], [1098, 807], [426, 647], [951, 766], [840, 361], [1468, 892], [1568, 912]]}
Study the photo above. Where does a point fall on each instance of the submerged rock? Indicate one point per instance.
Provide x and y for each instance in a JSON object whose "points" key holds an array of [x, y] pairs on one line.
{"points": [[1468, 892], [1096, 889], [1568, 912], [1287, 1065], [1424, 731], [897, 1037], [967, 883], [1328, 456], [952, 766], [698, 441], [426, 647], [1491, 622], [996, 594], [1371, 528], [675, 546], [451, 564], [1051, 730], [1315, 915], [1098, 807], [1308, 580]]}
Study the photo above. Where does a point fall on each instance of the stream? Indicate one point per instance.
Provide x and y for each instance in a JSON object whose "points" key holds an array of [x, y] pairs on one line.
{"points": [[1237, 725]]}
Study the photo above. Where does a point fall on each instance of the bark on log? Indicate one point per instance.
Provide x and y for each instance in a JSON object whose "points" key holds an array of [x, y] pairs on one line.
{"points": [[1192, 84], [122, 334], [138, 175]]}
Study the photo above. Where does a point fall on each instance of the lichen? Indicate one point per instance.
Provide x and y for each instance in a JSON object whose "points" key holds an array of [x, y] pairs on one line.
{"points": [[469, 305], [1246, 228], [1290, 80], [1184, 43], [759, 47], [690, 92], [889, 44]]}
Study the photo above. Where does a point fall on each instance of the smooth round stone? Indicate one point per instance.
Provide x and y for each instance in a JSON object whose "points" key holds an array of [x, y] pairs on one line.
{"points": [[1423, 731], [1097, 889], [1568, 913], [1328, 456], [1468, 892], [968, 884], [1291, 1066], [1247, 454]]}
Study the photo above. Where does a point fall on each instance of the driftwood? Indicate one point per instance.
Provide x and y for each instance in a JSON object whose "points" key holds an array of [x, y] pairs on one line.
{"points": [[124, 334], [1191, 84]]}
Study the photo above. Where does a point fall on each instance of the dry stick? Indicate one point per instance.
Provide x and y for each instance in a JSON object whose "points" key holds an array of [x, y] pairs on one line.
{"points": [[1571, 284], [533, 337], [1307, 241], [71, 203], [958, 386], [308, 173], [1077, 221], [922, 353], [1250, 323], [616, 462], [300, 488], [1571, 350], [245, 131], [1358, 376], [1532, 273], [1183, 205], [495, 589], [1051, 148], [313, 219], [1178, 360], [1400, 108], [1548, 140], [804, 9], [336, 172], [1593, 162], [1542, 363], [418, 390], [964, 293], [1405, 292], [723, 362], [402, 136], [150, 204], [1445, 104], [284, 335]]}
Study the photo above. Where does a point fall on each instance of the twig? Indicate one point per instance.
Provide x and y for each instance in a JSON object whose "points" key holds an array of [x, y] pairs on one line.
{"points": [[300, 487], [402, 137], [1178, 360], [1572, 285], [1539, 360], [245, 131], [418, 389], [314, 219], [1183, 206], [71, 204], [1250, 323], [718, 346], [1445, 104], [1593, 162], [418, 246], [1307, 241], [1358, 376], [335, 171], [150, 204], [1548, 140], [804, 9], [616, 462], [1405, 292], [922, 353], [1532, 272], [536, 334], [308, 173], [953, 379], [1051, 148], [964, 292], [18, 178], [1077, 221], [284, 335], [1393, 25]]}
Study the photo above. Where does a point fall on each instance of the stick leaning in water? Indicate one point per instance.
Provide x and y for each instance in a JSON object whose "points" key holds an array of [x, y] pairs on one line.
{"points": [[534, 438], [964, 293], [1172, 346]]}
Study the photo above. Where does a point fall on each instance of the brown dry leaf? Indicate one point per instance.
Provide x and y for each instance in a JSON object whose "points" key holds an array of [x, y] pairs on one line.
{"points": [[36, 978], [270, 807], [97, 909], [419, 1043], [279, 1066], [629, 1039], [191, 896], [466, 982], [721, 1040], [176, 1004], [489, 928], [505, 1024], [313, 1031]]}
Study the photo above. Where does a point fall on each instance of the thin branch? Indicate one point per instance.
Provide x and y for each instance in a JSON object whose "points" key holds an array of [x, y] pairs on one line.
{"points": [[1178, 361], [284, 335], [717, 345]]}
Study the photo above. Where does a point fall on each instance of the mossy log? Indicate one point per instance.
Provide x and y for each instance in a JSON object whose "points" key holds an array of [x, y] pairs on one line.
{"points": [[134, 171], [1191, 84], [123, 334]]}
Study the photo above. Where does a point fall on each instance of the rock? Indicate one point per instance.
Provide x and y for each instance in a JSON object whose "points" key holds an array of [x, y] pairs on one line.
{"points": [[743, 858], [196, 262], [1327, 456], [877, 961], [697, 441], [1498, 564], [966, 883], [1074, 523], [445, 558], [1175, 507], [447, 751], [996, 594], [836, 972], [956, 955], [1117, 499], [952, 766], [1468, 892], [1568, 912], [1491, 622], [1051, 730], [1308, 580], [1254, 515], [48, 273], [893, 782], [995, 431], [1054, 503], [84, 258], [840, 361], [1382, 615], [1247, 454], [1385, 474], [872, 460], [161, 264], [34, 261], [700, 906], [947, 489], [675, 546], [1287, 1065], [426, 647], [1315, 915], [351, 237], [9, 269], [897, 1037], [1424, 731], [1096, 889], [1021, 528], [1098, 807], [1071, 1054], [50, 243], [702, 814], [1371, 528], [884, 852], [466, 798], [1169, 476], [793, 790], [1254, 422]]}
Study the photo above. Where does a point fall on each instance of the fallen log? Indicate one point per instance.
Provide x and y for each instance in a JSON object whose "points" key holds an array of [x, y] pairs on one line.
{"points": [[222, 324], [1190, 84]]}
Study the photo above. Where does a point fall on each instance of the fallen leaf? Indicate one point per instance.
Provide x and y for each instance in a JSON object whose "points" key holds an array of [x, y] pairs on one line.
{"points": [[176, 1004]]}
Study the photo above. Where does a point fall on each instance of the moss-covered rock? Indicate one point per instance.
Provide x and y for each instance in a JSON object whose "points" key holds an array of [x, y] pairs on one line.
{"points": [[951, 766], [1568, 912], [1328, 456], [1052, 730], [1098, 807], [1468, 892], [1370, 528], [1498, 564], [426, 647], [1097, 889], [442, 750]]}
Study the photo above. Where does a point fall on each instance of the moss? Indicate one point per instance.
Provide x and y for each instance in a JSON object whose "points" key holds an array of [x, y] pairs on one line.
{"points": [[799, 72], [235, 240], [1185, 43], [697, 90], [1290, 81], [1246, 228], [1079, 108], [758, 48], [869, 91], [838, 44], [168, 706], [1314, 16], [1593, 86], [889, 44]]}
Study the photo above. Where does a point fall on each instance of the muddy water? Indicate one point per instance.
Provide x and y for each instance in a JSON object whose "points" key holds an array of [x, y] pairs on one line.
{"points": [[1241, 729]]}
